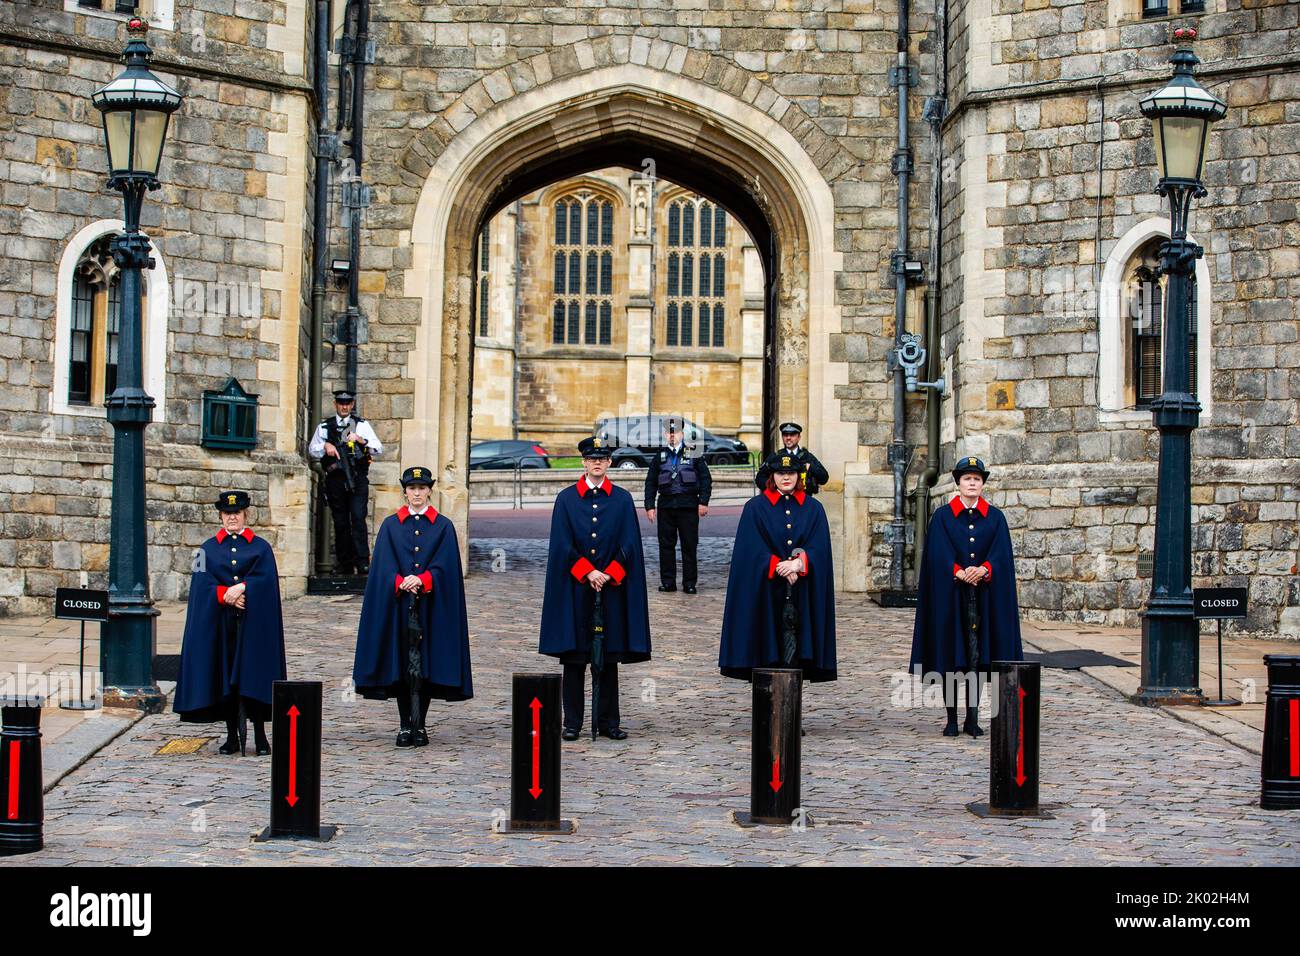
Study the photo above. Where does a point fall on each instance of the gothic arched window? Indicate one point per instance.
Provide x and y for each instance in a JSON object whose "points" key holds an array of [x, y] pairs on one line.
{"points": [[1144, 301], [584, 270], [95, 327], [696, 278]]}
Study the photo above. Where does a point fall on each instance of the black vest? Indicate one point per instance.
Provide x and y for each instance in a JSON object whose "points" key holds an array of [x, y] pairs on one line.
{"points": [[682, 480], [333, 435]]}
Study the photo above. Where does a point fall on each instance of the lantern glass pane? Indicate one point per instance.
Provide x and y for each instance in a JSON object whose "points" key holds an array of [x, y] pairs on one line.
{"points": [[117, 128], [1181, 138], [150, 129]]}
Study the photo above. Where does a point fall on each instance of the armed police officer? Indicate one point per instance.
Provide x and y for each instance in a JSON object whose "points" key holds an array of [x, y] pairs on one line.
{"points": [[345, 443], [814, 472], [677, 489]]}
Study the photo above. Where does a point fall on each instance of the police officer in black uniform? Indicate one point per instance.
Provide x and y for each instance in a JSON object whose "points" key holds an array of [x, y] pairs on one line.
{"points": [[347, 489], [681, 482], [814, 472]]}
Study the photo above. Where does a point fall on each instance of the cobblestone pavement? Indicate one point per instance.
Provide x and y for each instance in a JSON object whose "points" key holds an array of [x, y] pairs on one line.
{"points": [[1127, 785]]}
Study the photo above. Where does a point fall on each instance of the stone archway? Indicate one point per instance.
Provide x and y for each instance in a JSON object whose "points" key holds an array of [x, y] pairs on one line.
{"points": [[668, 114]]}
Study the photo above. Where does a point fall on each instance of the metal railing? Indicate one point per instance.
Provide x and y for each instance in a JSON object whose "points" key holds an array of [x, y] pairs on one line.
{"points": [[517, 469]]}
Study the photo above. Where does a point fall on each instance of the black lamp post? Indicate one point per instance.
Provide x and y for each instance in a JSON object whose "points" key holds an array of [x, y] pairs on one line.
{"points": [[1180, 114], [136, 107]]}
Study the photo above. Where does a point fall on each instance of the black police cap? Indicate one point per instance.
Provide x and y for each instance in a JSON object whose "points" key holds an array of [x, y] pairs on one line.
{"points": [[969, 466], [343, 396], [233, 501], [418, 475], [595, 448], [778, 462], [791, 428]]}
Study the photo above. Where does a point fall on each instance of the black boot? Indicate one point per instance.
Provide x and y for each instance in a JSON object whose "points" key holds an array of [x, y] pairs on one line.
{"points": [[951, 729], [231, 746], [972, 725], [419, 736], [404, 736], [259, 738]]}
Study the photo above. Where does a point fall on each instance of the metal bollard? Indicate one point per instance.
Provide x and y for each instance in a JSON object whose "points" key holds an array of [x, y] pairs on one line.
{"points": [[1280, 762], [774, 796], [295, 762], [1013, 748], [22, 791], [535, 756]]}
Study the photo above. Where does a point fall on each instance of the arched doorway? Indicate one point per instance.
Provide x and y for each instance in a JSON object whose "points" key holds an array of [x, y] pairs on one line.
{"points": [[624, 115]]}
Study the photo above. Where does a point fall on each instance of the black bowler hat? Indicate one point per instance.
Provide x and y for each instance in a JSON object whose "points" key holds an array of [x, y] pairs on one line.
{"points": [[343, 396], [778, 462], [230, 501], [595, 448], [969, 466], [791, 428], [417, 476]]}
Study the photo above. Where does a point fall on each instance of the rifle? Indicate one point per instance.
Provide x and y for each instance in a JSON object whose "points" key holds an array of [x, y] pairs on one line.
{"points": [[345, 460]]}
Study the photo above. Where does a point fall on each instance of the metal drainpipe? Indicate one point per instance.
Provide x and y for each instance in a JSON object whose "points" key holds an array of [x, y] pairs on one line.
{"points": [[934, 298], [320, 256], [356, 149], [902, 167]]}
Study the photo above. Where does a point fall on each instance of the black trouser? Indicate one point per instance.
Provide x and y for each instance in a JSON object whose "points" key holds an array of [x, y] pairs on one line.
{"points": [[406, 664], [575, 696], [351, 540], [687, 522]]}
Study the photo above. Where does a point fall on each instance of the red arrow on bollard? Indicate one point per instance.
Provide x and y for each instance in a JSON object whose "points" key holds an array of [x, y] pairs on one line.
{"points": [[1295, 737], [536, 707], [776, 775], [292, 796], [15, 750], [1020, 748]]}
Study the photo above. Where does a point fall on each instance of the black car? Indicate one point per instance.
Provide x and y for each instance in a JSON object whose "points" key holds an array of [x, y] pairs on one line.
{"points": [[507, 454], [636, 439]]}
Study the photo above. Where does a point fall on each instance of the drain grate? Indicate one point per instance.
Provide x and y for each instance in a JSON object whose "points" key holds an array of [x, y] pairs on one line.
{"points": [[182, 745]]}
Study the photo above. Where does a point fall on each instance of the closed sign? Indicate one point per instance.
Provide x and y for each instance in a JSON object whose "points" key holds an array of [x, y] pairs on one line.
{"points": [[81, 604], [1210, 603]]}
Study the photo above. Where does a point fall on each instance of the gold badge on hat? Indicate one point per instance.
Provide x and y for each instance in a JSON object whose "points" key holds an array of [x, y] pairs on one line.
{"points": [[597, 443], [230, 499], [970, 462], [785, 461], [416, 473]]}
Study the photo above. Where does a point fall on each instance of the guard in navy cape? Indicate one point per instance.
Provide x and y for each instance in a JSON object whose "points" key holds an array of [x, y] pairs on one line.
{"points": [[780, 609], [595, 547], [967, 614], [233, 648], [413, 639]]}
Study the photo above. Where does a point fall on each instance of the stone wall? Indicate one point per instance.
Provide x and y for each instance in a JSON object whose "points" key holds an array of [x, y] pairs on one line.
{"points": [[1028, 281], [230, 227], [1047, 174]]}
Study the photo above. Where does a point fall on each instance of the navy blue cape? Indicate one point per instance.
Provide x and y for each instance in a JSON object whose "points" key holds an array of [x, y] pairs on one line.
{"points": [[938, 633], [771, 527], [379, 668], [595, 529], [222, 656]]}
